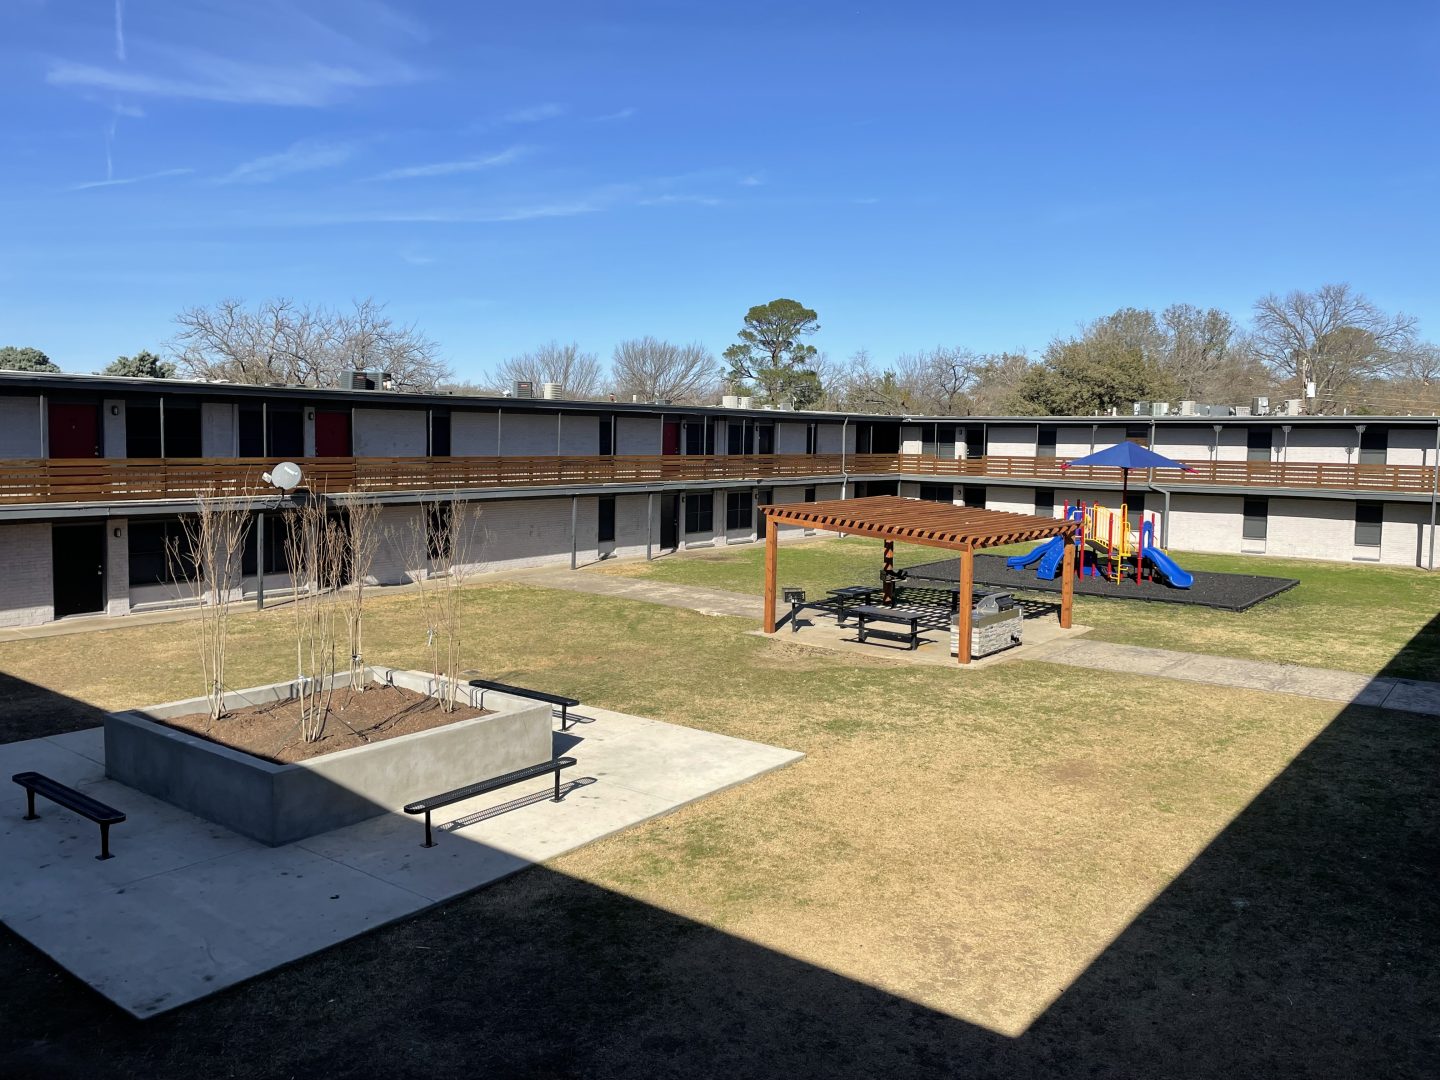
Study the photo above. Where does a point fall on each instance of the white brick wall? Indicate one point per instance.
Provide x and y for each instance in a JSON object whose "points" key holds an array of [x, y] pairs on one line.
{"points": [[637, 435], [1011, 440], [1318, 444], [790, 438], [473, 434], [117, 567], [219, 434], [1405, 536], [390, 433], [20, 428], [528, 434], [580, 436], [27, 591], [1411, 446]]}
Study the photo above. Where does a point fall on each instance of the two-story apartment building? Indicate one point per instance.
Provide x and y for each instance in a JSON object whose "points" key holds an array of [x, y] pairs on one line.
{"points": [[96, 472]]}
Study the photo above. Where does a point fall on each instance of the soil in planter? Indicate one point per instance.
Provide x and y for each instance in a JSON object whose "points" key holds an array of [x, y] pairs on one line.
{"points": [[272, 731]]}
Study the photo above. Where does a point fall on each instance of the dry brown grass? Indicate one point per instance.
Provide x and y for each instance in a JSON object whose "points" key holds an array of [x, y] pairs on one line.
{"points": [[967, 840]]}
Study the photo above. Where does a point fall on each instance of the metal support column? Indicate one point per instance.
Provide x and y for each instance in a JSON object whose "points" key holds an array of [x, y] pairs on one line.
{"points": [[574, 516], [260, 561], [649, 526]]}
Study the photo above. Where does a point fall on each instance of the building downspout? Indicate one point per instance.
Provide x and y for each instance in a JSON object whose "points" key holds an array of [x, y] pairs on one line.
{"points": [[574, 515]]}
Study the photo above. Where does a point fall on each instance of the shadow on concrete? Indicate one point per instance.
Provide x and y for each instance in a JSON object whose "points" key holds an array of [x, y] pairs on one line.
{"points": [[1301, 942]]}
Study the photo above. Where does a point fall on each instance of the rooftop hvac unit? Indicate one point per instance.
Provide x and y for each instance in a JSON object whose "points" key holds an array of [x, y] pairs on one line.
{"points": [[367, 380], [524, 388], [1159, 408], [1260, 406], [1140, 408], [746, 402], [1187, 408], [1294, 406], [730, 401], [553, 390], [1239, 410]]}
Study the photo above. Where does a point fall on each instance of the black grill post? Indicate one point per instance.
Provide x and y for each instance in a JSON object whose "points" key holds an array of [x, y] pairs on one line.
{"points": [[30, 814], [104, 841], [428, 842], [557, 785]]}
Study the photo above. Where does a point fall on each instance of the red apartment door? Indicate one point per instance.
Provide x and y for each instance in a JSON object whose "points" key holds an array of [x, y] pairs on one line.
{"points": [[670, 437], [74, 430], [332, 433]]}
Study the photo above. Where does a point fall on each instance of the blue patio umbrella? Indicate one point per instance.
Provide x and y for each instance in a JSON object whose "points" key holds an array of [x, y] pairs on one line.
{"points": [[1126, 456]]}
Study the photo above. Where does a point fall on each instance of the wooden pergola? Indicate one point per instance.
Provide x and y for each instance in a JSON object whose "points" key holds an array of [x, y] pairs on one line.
{"points": [[955, 528]]}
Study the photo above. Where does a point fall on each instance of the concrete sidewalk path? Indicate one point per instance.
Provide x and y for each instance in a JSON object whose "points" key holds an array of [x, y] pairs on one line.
{"points": [[1401, 695], [705, 601]]}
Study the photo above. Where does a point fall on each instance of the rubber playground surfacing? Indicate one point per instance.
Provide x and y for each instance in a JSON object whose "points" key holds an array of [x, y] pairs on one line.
{"points": [[1228, 592]]}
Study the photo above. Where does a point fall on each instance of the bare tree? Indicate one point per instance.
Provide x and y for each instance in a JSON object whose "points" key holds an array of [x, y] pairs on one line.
{"points": [[280, 341], [1199, 353], [655, 370], [1332, 337], [579, 372], [207, 558], [315, 549], [362, 537], [439, 566]]}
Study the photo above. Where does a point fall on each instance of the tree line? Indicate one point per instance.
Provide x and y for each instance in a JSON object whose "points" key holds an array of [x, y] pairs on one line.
{"points": [[1331, 347]]}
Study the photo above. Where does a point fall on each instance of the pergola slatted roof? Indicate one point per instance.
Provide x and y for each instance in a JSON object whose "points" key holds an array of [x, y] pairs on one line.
{"points": [[889, 517]]}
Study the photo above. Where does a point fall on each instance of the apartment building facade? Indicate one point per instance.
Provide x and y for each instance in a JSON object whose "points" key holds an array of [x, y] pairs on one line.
{"points": [[95, 474]]}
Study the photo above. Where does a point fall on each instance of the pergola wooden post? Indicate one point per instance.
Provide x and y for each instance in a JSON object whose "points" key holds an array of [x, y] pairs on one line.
{"points": [[960, 529], [965, 603], [772, 558]]}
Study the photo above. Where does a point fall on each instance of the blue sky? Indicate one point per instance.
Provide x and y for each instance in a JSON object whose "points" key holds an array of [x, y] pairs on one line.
{"points": [[507, 174]]}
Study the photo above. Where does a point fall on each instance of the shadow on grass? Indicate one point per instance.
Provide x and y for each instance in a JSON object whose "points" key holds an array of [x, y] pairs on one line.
{"points": [[1302, 941]]}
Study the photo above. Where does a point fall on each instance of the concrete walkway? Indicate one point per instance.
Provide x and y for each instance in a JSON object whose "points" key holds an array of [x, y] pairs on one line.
{"points": [[1400, 695], [186, 907], [693, 598]]}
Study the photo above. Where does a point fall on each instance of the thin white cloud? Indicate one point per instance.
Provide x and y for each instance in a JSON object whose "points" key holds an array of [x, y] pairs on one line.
{"points": [[620, 114], [121, 181], [120, 30], [214, 78], [534, 114], [307, 155], [677, 200], [753, 180], [454, 168]]}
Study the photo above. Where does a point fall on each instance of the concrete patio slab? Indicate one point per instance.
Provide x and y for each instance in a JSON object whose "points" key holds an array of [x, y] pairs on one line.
{"points": [[187, 908]]}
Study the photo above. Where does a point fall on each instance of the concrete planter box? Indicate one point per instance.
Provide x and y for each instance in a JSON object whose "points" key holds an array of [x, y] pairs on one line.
{"points": [[277, 804]]}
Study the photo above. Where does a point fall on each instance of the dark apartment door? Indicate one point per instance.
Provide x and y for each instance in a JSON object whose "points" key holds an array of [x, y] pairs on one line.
{"points": [[74, 430], [78, 568], [669, 522], [762, 523], [670, 437], [332, 433]]}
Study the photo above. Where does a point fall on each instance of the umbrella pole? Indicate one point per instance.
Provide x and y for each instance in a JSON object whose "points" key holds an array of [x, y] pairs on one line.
{"points": [[1124, 518]]}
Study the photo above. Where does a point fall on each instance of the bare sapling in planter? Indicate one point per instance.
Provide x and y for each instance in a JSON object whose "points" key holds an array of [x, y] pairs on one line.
{"points": [[206, 557], [315, 548], [362, 538], [439, 566]]}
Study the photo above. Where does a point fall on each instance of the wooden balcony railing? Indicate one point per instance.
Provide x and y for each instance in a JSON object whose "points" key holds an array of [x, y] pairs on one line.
{"points": [[95, 480]]}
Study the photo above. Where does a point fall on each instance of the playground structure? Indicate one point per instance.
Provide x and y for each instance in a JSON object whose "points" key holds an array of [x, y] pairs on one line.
{"points": [[1107, 546]]}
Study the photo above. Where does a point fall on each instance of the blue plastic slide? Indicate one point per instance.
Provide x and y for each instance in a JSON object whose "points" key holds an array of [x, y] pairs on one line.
{"points": [[1180, 579], [1020, 562]]}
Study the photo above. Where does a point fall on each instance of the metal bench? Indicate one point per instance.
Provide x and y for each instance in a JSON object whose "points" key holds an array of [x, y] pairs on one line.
{"points": [[519, 776], [565, 703], [848, 595], [911, 617], [77, 802]]}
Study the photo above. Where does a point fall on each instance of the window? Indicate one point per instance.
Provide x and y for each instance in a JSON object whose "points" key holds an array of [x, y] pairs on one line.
{"points": [[182, 430], [699, 512], [973, 496], [437, 530], [765, 438], [1257, 517], [439, 433], [694, 437], [1374, 444], [142, 430], [607, 436], [286, 434], [1044, 502], [1134, 508], [277, 558], [1369, 519], [605, 515], [1258, 443], [1138, 433], [866, 488], [812, 439], [736, 437], [1045, 443], [945, 441], [941, 493], [159, 552], [739, 511], [809, 494], [251, 431]]}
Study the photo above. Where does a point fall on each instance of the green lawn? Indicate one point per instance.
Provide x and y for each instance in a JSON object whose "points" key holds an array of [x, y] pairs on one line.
{"points": [[1354, 618]]}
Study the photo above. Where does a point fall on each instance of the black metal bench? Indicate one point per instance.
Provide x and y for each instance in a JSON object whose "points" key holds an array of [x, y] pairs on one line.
{"points": [[519, 776], [910, 617], [77, 802], [846, 596], [565, 703]]}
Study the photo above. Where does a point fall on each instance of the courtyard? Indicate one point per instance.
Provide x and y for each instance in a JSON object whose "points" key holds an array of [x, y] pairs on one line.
{"points": [[1023, 868]]}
